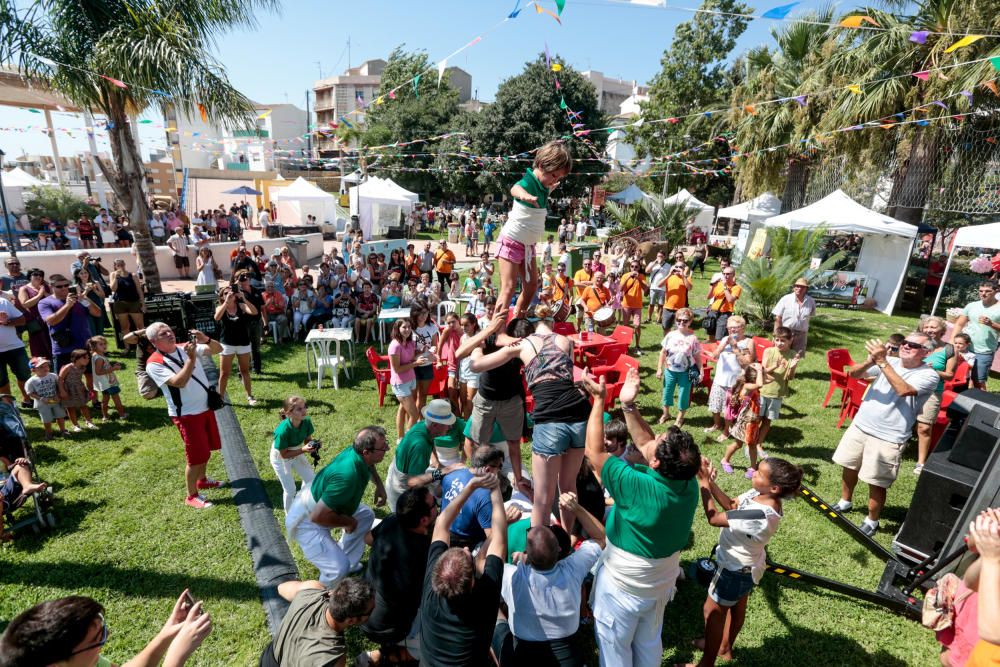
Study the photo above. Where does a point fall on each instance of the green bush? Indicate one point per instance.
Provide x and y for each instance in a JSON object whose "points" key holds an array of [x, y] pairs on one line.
{"points": [[49, 201]]}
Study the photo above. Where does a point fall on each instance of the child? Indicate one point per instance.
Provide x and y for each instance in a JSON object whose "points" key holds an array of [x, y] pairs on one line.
{"points": [[448, 343], [747, 524], [403, 379], [105, 380], [471, 282], [745, 403], [292, 439], [468, 379], [963, 348], [733, 353], [892, 345], [471, 237], [72, 390], [779, 365], [43, 387], [526, 223]]}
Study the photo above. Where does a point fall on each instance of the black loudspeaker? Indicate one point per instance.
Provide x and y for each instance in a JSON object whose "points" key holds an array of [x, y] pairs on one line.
{"points": [[980, 430], [170, 309]]}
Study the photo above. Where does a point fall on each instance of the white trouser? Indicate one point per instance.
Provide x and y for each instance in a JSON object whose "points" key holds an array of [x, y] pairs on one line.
{"points": [[283, 468], [299, 319], [395, 486], [334, 559], [628, 628]]}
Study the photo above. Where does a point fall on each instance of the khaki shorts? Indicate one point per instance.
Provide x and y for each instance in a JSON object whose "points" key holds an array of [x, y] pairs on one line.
{"points": [[876, 461], [931, 407], [509, 414]]}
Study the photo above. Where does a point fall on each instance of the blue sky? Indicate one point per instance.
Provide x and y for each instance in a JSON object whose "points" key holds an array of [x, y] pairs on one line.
{"points": [[277, 62]]}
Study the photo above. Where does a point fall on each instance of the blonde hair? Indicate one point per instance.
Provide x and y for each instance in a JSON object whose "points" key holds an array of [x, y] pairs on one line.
{"points": [[94, 340], [685, 311], [544, 311], [737, 320], [553, 156]]}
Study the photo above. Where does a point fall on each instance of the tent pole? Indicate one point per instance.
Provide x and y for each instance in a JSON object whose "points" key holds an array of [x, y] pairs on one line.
{"points": [[944, 276]]}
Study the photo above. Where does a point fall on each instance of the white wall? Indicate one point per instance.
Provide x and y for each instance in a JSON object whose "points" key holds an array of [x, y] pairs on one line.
{"points": [[59, 261]]}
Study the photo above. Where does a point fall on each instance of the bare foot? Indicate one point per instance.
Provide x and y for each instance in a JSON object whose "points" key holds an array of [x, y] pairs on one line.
{"points": [[35, 488], [699, 644], [663, 419]]}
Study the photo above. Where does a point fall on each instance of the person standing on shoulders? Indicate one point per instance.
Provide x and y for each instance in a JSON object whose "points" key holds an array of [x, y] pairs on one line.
{"points": [[794, 311], [981, 321]]}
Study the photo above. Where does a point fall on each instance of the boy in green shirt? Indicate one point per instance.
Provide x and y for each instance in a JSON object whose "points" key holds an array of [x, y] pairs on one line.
{"points": [[779, 363]]}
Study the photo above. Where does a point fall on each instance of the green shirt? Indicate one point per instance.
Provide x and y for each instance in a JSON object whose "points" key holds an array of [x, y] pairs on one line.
{"points": [[652, 515], [777, 388], [984, 338], [517, 537], [454, 438], [341, 484], [287, 435], [534, 187], [414, 452]]}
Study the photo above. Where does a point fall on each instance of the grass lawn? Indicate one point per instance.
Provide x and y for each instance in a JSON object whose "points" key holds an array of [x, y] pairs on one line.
{"points": [[126, 539]]}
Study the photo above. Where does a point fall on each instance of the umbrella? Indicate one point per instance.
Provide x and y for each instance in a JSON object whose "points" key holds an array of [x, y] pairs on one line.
{"points": [[242, 190]]}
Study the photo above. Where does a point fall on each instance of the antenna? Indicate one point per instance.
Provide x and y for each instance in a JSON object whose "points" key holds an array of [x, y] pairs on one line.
{"points": [[320, 66], [348, 52]]}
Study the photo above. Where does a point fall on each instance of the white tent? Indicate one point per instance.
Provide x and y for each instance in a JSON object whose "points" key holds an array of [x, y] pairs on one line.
{"points": [[706, 213], [399, 189], [15, 182], [378, 205], [977, 236], [302, 198], [885, 253], [759, 208]]}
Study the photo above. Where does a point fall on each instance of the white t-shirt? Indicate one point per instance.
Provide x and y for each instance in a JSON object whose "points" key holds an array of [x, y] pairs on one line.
{"points": [[424, 338], [156, 227], [795, 315], [751, 526], [179, 245], [886, 415], [728, 368], [9, 340], [546, 605], [658, 277], [193, 396]]}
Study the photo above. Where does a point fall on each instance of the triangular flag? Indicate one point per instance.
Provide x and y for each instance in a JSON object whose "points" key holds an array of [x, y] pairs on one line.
{"points": [[517, 10], [265, 114], [541, 10], [203, 112], [673, 121], [560, 4], [919, 36], [441, 66], [171, 129], [778, 12], [392, 94], [562, 103], [145, 121], [940, 104], [965, 41], [993, 87], [856, 21], [379, 100], [558, 85], [922, 75], [923, 123], [967, 95], [120, 84], [416, 84], [34, 111], [854, 88], [556, 67], [801, 99], [995, 61], [749, 108]]}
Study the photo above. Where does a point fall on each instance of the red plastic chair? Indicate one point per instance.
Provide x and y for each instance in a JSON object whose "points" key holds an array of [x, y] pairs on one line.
{"points": [[439, 385], [607, 355], [960, 381], [759, 345], [381, 373], [852, 401], [623, 334], [614, 376], [564, 328], [941, 424], [836, 361]]}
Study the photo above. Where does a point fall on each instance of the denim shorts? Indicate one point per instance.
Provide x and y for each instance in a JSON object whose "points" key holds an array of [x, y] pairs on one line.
{"points": [[983, 364], [770, 407], [424, 373], [405, 389], [730, 586], [554, 438]]}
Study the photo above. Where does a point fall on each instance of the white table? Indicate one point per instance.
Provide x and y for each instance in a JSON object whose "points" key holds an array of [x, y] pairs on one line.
{"points": [[336, 336], [464, 300], [386, 315]]}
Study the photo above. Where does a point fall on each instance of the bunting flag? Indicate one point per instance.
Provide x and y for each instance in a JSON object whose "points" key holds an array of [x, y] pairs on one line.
{"points": [[161, 93], [562, 103], [919, 36], [441, 67], [965, 41], [778, 12], [203, 112], [558, 85], [856, 20], [800, 99], [392, 94], [541, 10], [145, 121], [556, 67], [995, 61], [379, 100], [548, 57], [923, 76], [967, 95], [171, 129], [344, 121], [992, 87], [940, 104], [560, 4], [34, 111], [517, 10], [854, 88], [416, 86], [116, 82], [265, 114], [749, 108]]}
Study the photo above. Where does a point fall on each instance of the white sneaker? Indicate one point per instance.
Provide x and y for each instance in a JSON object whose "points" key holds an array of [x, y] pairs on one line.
{"points": [[843, 506], [869, 527], [76, 429], [92, 426], [251, 400]]}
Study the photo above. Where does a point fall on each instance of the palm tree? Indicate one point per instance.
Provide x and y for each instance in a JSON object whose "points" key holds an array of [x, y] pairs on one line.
{"points": [[118, 58]]}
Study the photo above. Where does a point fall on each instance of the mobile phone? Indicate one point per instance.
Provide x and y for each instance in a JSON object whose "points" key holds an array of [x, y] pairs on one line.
{"points": [[187, 602]]}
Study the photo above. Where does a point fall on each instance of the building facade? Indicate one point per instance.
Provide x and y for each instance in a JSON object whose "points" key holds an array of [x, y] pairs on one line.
{"points": [[611, 93]]}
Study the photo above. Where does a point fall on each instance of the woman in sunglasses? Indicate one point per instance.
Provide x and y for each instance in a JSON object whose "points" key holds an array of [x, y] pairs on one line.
{"points": [[680, 352], [72, 632]]}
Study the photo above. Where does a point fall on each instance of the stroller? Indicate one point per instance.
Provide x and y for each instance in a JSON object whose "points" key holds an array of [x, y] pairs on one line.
{"points": [[14, 445]]}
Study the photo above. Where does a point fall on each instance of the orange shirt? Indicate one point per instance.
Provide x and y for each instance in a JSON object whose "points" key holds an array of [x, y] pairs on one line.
{"points": [[582, 276], [718, 296], [561, 287], [595, 297], [444, 260], [633, 290], [984, 654], [676, 293], [412, 266]]}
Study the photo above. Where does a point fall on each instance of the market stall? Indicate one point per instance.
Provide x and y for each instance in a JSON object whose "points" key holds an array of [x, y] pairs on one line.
{"points": [[630, 195], [704, 214], [884, 247], [977, 236], [15, 183], [301, 199], [379, 205]]}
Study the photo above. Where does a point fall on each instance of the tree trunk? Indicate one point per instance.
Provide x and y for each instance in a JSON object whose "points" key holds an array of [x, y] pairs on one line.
{"points": [[127, 178], [920, 170], [796, 181]]}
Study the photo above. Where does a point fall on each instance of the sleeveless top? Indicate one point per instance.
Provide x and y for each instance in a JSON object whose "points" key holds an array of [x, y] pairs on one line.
{"points": [[525, 224], [127, 290], [550, 380]]}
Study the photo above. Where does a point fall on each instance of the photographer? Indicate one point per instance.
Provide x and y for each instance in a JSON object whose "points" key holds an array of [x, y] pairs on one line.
{"points": [[91, 292], [292, 440], [68, 319], [675, 285], [94, 267], [236, 316]]}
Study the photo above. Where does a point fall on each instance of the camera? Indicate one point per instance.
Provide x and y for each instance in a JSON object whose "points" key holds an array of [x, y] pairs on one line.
{"points": [[314, 454], [95, 259], [73, 290]]}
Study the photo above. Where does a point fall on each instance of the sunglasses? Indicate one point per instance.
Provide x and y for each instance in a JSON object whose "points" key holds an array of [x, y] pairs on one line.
{"points": [[61, 286], [911, 345], [680, 321], [98, 644]]}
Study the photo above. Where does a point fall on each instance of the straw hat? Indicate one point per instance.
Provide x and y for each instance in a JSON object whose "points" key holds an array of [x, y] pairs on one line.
{"points": [[439, 412]]}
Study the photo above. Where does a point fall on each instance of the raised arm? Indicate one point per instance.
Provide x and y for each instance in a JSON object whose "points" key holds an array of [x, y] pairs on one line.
{"points": [[593, 527], [442, 527], [640, 432], [596, 453], [876, 357], [495, 326], [498, 526]]}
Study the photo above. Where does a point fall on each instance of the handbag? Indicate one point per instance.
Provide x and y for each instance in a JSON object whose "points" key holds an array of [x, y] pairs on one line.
{"points": [[710, 321], [694, 376]]}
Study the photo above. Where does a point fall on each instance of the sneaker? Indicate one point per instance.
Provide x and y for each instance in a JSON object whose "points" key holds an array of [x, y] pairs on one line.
{"points": [[727, 467], [76, 429], [27, 405], [209, 483], [917, 469], [198, 502], [251, 400], [91, 425], [749, 473], [869, 527], [711, 429], [843, 506]]}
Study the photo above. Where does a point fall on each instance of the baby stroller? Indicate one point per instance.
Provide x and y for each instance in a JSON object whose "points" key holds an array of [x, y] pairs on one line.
{"points": [[14, 445]]}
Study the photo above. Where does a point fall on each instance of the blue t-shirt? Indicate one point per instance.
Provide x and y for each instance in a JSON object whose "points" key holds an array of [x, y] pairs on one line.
{"points": [[476, 514]]}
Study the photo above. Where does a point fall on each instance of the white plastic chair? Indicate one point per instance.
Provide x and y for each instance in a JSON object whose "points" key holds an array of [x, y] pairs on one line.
{"points": [[319, 352], [444, 308]]}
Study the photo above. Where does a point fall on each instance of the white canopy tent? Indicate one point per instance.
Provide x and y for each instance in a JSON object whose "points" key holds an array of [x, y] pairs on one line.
{"points": [[757, 209], [378, 204], [705, 213], [978, 236], [888, 242], [302, 198], [15, 182], [399, 189]]}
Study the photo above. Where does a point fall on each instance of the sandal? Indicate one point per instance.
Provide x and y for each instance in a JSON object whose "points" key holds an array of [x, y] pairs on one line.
{"points": [[727, 467], [722, 437]]}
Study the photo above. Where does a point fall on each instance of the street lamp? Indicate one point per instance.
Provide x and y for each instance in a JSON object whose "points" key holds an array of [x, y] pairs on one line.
{"points": [[11, 247]]}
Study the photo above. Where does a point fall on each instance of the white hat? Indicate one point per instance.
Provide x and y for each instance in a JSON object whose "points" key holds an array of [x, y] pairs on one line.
{"points": [[439, 412]]}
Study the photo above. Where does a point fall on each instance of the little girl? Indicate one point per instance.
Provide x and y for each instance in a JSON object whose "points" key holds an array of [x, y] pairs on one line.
{"points": [[402, 360], [468, 379], [73, 393], [745, 402], [105, 380], [748, 523], [448, 343], [526, 223], [292, 441]]}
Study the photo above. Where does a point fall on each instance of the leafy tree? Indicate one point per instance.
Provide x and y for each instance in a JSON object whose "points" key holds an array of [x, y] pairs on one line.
{"points": [[455, 163], [694, 76], [670, 219], [414, 114], [161, 50], [527, 115], [57, 203]]}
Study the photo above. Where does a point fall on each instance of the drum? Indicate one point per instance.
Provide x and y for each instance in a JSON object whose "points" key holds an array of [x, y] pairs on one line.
{"points": [[604, 317], [562, 310]]}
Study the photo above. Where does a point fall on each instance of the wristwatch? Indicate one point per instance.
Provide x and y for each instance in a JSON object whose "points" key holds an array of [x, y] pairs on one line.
{"points": [[436, 474], [883, 364]]}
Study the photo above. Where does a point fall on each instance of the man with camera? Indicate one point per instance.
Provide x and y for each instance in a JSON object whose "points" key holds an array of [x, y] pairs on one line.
{"points": [[98, 273], [67, 318], [191, 401]]}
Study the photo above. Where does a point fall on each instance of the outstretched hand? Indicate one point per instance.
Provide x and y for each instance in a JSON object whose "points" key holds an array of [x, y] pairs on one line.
{"points": [[595, 389], [630, 388], [876, 350]]}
